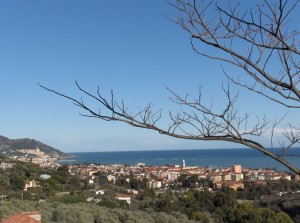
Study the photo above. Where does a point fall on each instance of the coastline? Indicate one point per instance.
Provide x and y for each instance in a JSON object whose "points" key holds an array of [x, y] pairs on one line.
{"points": [[202, 157]]}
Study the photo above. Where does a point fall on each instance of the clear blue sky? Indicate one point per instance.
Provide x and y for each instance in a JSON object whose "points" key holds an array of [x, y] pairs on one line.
{"points": [[128, 46]]}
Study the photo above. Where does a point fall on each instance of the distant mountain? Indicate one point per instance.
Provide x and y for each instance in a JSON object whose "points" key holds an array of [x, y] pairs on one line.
{"points": [[12, 146]]}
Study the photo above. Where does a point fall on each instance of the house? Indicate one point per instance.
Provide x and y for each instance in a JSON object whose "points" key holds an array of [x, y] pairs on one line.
{"points": [[261, 177], [111, 178], [236, 168], [92, 172], [24, 217], [31, 183], [100, 192], [286, 176], [233, 184], [45, 176], [155, 184], [4, 165], [215, 177], [124, 197], [237, 177], [202, 176], [172, 176], [130, 191], [275, 177], [226, 176]]}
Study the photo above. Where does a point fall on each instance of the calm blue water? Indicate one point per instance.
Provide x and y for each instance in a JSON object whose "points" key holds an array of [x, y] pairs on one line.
{"points": [[204, 157]]}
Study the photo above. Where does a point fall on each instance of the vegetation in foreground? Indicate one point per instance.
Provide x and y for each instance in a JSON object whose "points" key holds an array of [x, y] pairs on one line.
{"points": [[88, 213]]}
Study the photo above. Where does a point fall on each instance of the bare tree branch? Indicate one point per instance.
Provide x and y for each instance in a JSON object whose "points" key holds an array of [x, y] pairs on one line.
{"points": [[260, 43], [263, 32], [195, 121]]}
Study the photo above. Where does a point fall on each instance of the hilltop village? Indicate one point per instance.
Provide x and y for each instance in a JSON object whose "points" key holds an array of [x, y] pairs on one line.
{"points": [[38, 157], [34, 155]]}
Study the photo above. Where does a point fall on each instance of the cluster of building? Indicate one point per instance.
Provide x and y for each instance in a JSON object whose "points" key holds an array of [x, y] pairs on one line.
{"points": [[163, 177], [38, 157], [5, 165]]}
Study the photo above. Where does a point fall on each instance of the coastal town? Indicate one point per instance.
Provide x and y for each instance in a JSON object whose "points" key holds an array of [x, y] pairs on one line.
{"points": [[34, 175], [158, 177], [174, 111], [165, 177]]}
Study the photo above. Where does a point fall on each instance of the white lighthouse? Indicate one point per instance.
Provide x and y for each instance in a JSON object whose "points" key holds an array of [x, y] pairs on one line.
{"points": [[183, 163]]}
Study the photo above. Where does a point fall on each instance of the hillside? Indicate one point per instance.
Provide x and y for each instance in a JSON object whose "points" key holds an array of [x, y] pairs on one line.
{"points": [[11, 147]]}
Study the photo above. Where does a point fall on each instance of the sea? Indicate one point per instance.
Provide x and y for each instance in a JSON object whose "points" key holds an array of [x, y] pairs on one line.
{"points": [[246, 157]]}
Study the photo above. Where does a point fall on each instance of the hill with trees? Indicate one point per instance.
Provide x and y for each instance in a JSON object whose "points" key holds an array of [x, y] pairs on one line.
{"points": [[11, 147]]}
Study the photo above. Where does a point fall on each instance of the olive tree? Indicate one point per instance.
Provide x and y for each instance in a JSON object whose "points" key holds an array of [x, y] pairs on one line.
{"points": [[252, 41]]}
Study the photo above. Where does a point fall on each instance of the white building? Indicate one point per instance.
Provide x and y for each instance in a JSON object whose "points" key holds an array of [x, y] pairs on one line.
{"points": [[124, 197], [101, 192]]}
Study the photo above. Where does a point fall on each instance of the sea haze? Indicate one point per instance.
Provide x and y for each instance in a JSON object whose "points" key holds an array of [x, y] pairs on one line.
{"points": [[201, 157]]}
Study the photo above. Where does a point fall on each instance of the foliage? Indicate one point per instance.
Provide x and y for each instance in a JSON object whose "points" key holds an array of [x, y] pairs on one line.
{"points": [[289, 203], [109, 203], [70, 199], [88, 213], [248, 213], [221, 206], [254, 191], [148, 192], [12, 181], [16, 181]]}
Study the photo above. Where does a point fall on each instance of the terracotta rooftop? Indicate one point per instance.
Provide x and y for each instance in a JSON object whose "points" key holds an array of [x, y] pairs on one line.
{"points": [[24, 217]]}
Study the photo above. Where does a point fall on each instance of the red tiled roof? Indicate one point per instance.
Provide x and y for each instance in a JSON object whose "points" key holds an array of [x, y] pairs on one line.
{"points": [[24, 217]]}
